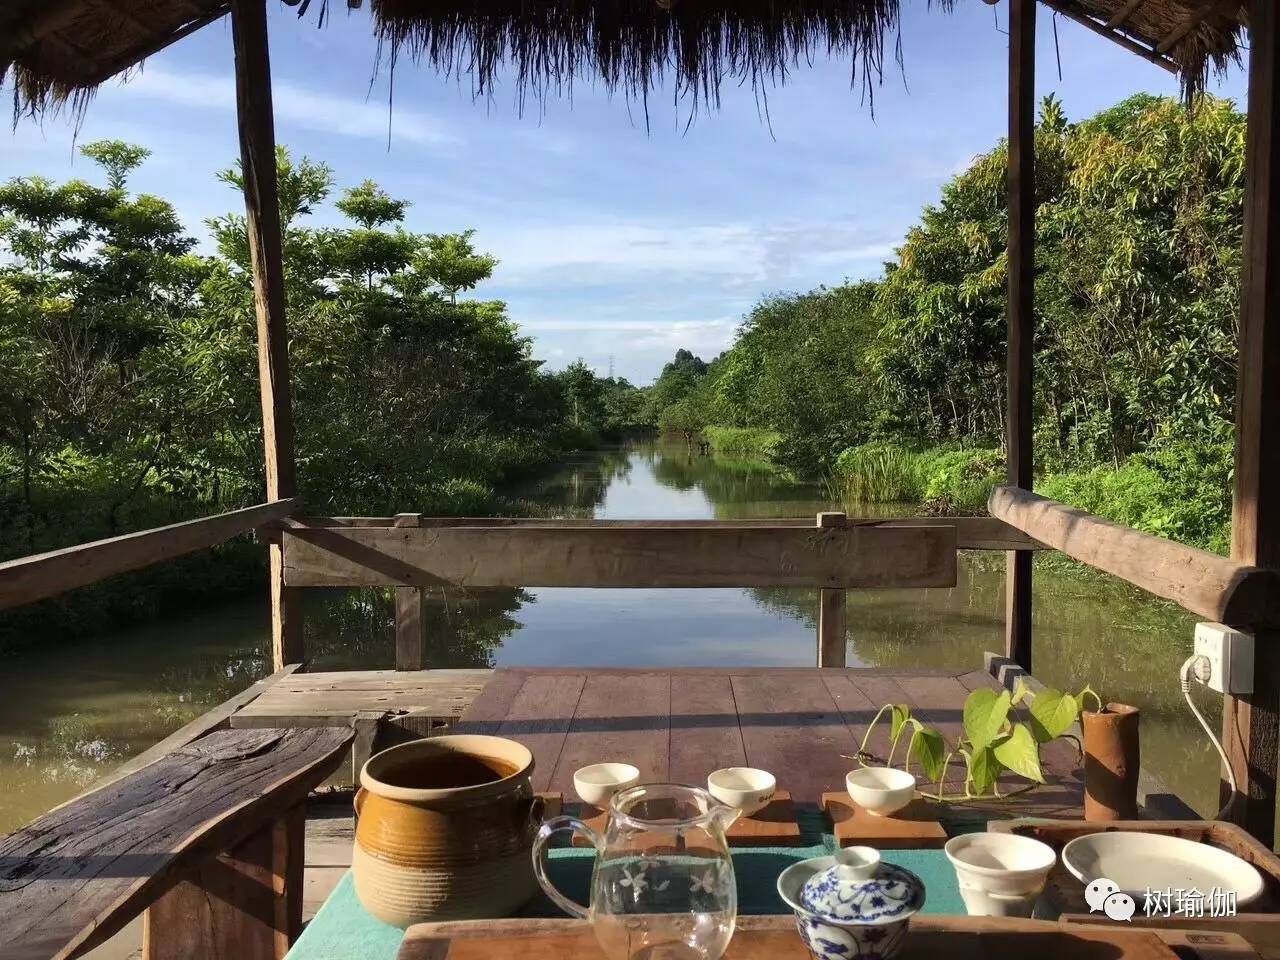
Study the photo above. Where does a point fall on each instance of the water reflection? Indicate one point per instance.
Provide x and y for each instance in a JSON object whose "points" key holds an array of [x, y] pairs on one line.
{"points": [[67, 716]]}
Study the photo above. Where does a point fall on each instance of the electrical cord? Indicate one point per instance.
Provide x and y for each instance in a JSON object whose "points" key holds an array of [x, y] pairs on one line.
{"points": [[1199, 665]]}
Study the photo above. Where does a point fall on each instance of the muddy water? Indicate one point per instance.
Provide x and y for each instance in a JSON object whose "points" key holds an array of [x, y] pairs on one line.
{"points": [[70, 714]]}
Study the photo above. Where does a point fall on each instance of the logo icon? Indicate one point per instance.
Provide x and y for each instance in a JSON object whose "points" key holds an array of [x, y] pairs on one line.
{"points": [[1105, 895], [1096, 893], [1119, 906]]}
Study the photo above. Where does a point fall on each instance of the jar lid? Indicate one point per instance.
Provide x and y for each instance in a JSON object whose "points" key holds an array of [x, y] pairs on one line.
{"points": [[860, 889]]}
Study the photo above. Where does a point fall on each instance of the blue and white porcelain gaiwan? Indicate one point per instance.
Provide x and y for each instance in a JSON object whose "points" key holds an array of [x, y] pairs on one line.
{"points": [[851, 905]]}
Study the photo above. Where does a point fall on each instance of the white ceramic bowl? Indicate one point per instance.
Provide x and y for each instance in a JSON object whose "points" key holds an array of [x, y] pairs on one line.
{"points": [[1137, 861], [1000, 865], [880, 791], [598, 783], [744, 788]]}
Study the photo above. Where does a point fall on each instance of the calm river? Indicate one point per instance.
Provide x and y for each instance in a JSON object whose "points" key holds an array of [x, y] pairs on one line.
{"points": [[69, 715]]}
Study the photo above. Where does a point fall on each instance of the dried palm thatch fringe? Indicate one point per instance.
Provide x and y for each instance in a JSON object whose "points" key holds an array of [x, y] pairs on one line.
{"points": [[58, 51], [633, 46]]}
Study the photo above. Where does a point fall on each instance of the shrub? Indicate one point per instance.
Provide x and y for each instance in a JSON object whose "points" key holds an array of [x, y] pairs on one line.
{"points": [[960, 481], [745, 442], [1177, 490], [459, 497]]}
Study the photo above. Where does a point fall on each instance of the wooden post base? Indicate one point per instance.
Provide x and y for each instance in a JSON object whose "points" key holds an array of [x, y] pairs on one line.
{"points": [[244, 905]]}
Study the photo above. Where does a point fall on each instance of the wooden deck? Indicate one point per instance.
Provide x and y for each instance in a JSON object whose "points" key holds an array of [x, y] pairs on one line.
{"points": [[329, 699], [804, 725]]}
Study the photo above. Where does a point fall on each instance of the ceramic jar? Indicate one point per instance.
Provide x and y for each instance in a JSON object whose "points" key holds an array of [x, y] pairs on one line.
{"points": [[852, 904], [444, 830]]}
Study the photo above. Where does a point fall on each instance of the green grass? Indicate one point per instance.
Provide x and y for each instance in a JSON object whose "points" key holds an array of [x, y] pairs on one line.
{"points": [[944, 480], [1178, 490], [749, 443], [879, 473]]}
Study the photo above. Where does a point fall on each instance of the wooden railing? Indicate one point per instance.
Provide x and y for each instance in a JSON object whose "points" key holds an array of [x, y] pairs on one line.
{"points": [[412, 553], [1205, 583], [45, 574]]}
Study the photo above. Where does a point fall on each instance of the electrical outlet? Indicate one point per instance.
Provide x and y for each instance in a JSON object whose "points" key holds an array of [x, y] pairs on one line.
{"points": [[1230, 655]]}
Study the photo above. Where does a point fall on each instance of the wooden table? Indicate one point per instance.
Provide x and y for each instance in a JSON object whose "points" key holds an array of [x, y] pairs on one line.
{"points": [[801, 724], [775, 938], [75, 876]]}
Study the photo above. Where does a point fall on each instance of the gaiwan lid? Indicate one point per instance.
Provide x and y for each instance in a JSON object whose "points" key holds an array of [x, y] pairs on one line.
{"points": [[860, 889]]}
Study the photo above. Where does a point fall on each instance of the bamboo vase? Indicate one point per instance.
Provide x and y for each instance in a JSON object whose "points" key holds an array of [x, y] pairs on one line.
{"points": [[1111, 760]]}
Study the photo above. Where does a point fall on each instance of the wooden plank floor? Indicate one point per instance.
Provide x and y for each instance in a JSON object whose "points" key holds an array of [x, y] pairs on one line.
{"points": [[801, 724], [328, 699]]}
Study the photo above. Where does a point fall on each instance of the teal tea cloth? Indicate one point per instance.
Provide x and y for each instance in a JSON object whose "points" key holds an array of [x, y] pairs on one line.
{"points": [[344, 930]]}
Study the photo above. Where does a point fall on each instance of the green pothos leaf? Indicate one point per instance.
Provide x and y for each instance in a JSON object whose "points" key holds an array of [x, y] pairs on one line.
{"points": [[985, 713], [984, 770], [1020, 753], [1053, 713], [930, 751], [898, 715], [1020, 691]]}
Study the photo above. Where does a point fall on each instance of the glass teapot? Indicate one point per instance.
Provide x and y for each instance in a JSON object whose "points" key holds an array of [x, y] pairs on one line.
{"points": [[662, 887]]}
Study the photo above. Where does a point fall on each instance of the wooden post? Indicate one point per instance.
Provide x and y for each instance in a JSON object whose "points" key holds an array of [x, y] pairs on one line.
{"points": [[831, 605], [1251, 724], [411, 628], [243, 905], [411, 618], [262, 218], [1020, 317]]}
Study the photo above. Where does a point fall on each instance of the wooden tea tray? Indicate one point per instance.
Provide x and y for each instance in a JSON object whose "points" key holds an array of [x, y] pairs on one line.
{"points": [[774, 826], [915, 827], [1066, 894], [775, 938]]}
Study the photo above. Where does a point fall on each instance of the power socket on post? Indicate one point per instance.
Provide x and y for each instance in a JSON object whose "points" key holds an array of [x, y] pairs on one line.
{"points": [[1230, 655]]}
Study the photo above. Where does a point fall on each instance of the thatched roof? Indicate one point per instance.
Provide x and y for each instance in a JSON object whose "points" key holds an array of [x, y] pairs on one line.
{"points": [[58, 50]]}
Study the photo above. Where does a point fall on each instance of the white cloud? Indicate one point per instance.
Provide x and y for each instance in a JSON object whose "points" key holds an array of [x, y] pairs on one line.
{"points": [[297, 106], [748, 253]]}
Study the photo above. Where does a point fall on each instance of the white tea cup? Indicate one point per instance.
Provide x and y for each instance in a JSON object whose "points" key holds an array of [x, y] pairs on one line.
{"points": [[597, 783], [881, 791], [744, 788]]}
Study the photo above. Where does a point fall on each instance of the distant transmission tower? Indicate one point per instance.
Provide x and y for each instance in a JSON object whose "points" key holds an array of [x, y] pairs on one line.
{"points": [[611, 366]]}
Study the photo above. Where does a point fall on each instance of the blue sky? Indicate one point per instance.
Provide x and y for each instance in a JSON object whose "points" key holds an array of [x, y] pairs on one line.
{"points": [[612, 240]]}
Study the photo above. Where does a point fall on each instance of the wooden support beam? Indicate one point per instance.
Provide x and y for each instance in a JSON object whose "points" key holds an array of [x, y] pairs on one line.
{"points": [[1251, 724], [1020, 318], [27, 579], [1215, 587], [831, 609], [620, 557], [1071, 12], [262, 215], [1186, 26], [972, 533], [243, 905]]}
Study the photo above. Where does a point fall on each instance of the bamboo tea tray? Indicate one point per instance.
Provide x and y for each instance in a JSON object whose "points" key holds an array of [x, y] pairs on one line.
{"points": [[774, 826], [1065, 893], [915, 827]]}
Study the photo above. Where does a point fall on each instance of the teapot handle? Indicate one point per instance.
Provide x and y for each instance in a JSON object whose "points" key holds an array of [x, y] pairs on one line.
{"points": [[554, 825]]}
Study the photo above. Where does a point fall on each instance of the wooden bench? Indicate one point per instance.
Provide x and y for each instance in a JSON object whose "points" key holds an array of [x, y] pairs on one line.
{"points": [[208, 839]]}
